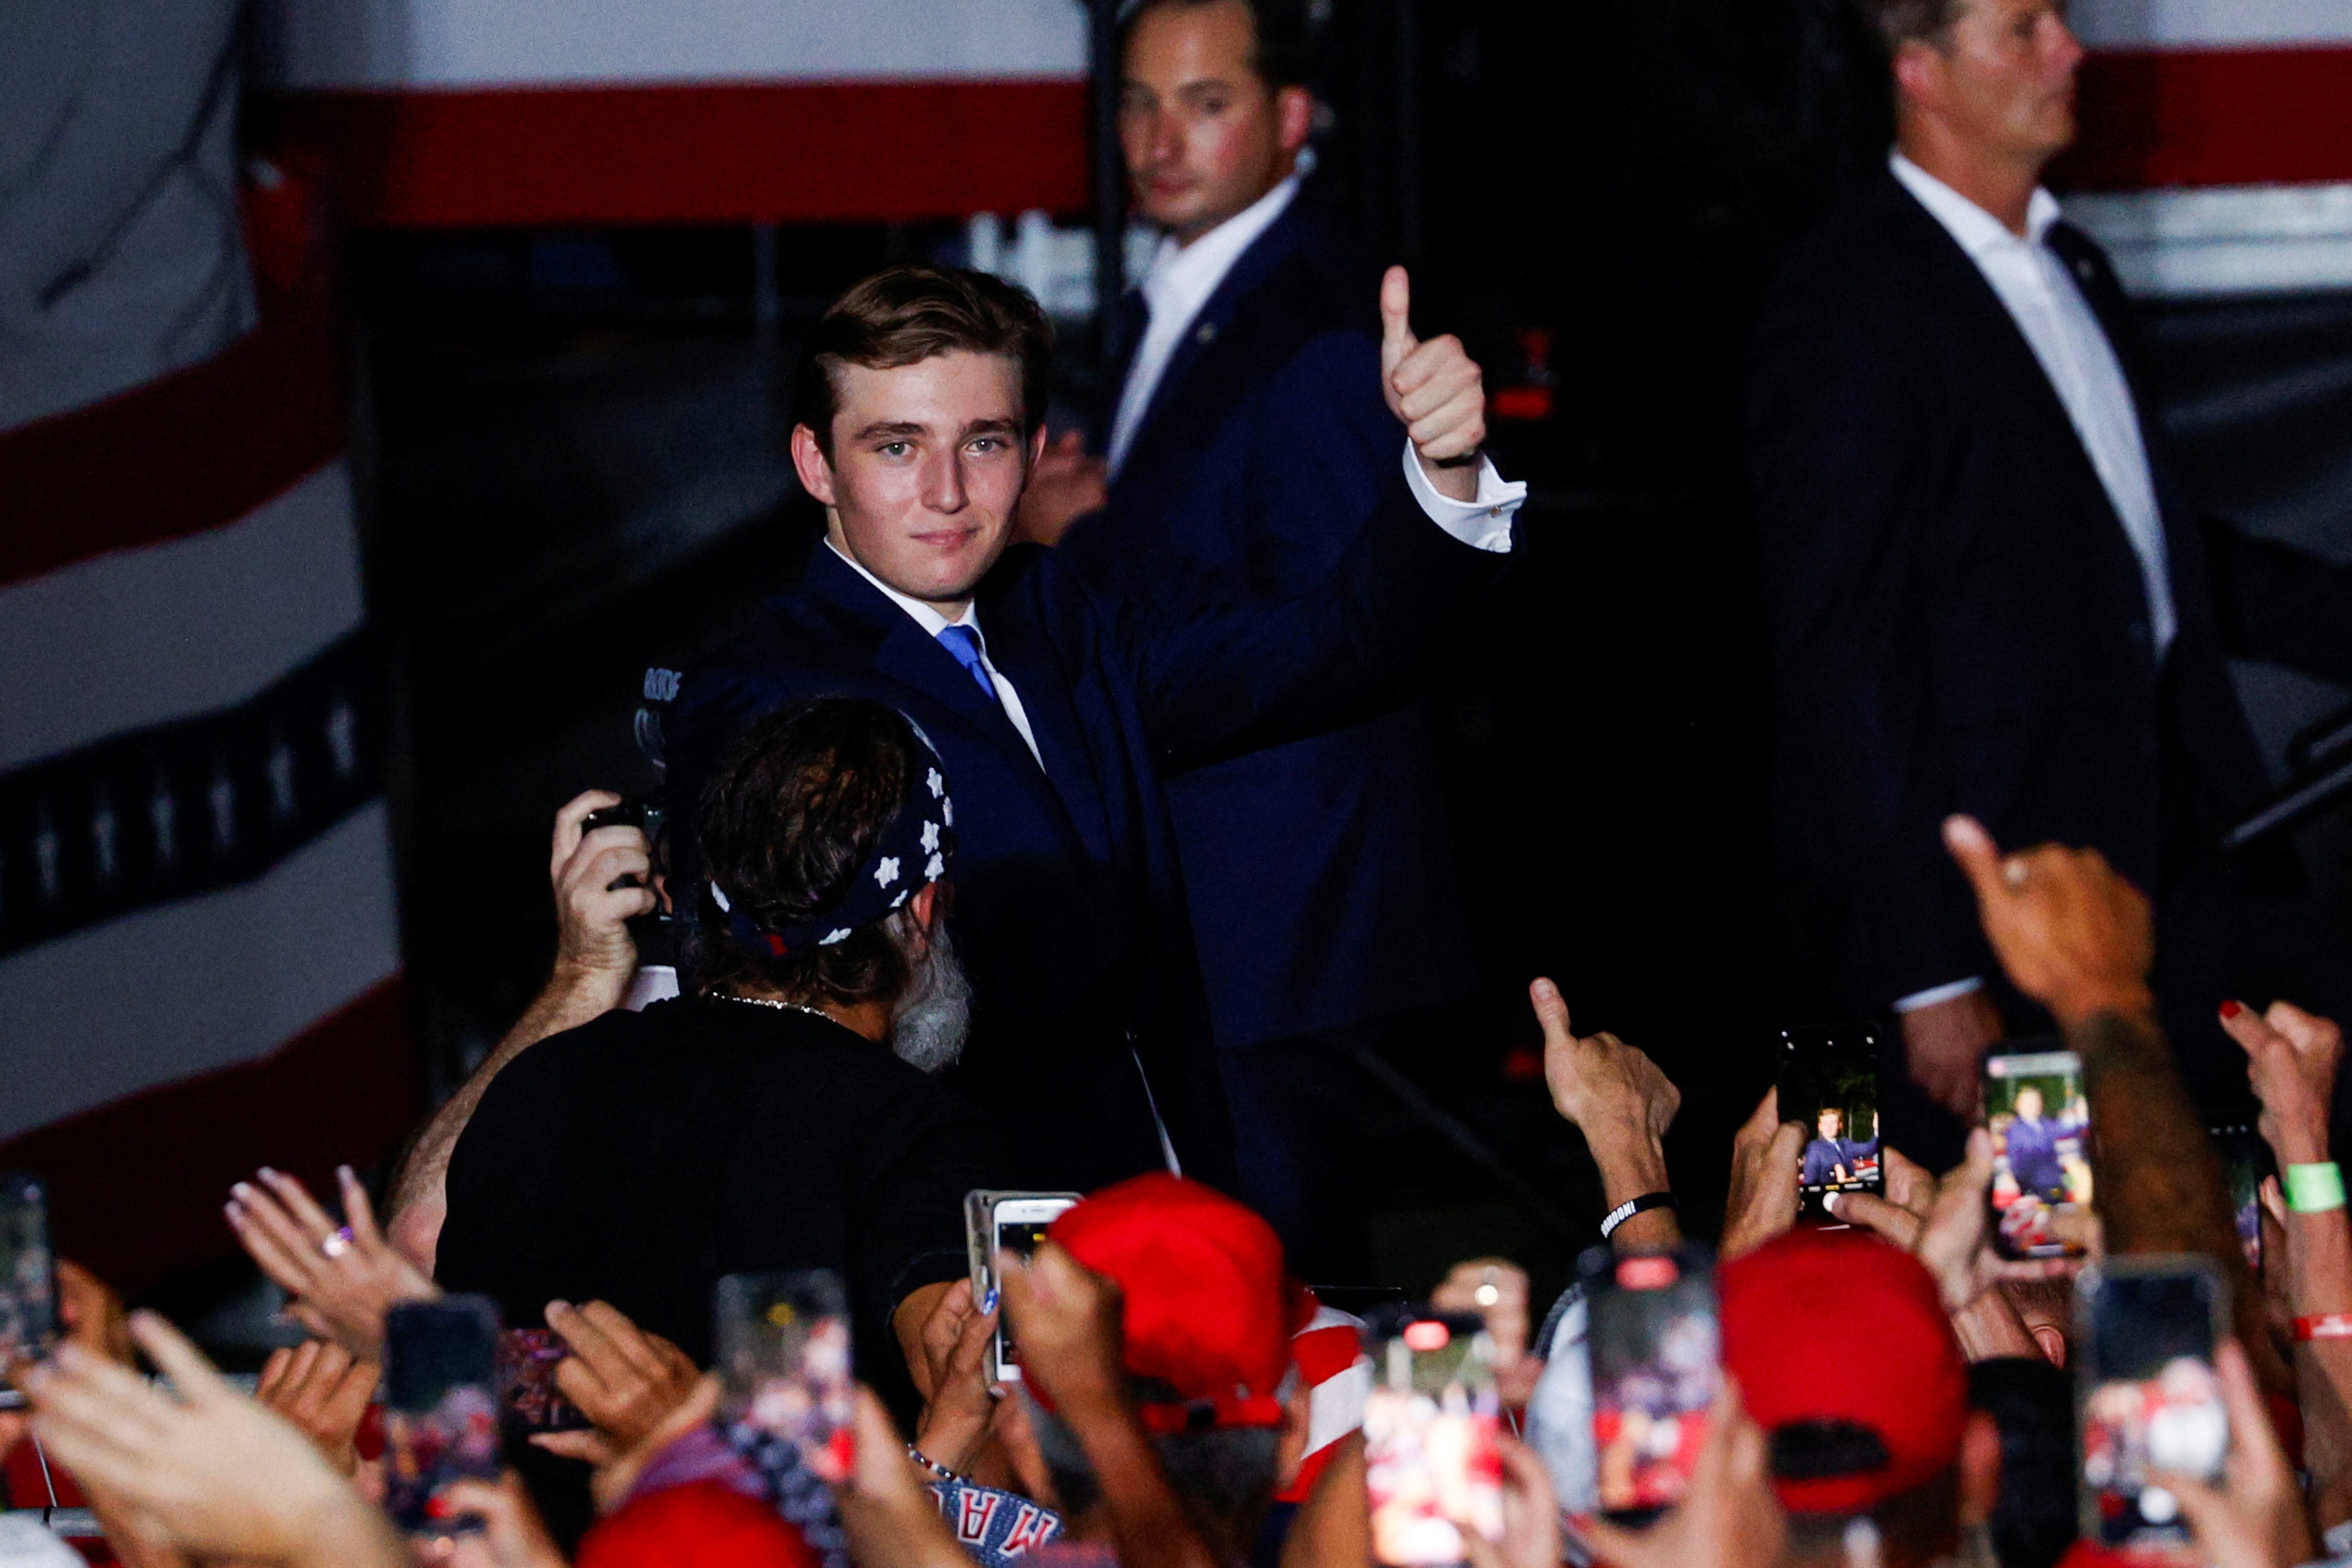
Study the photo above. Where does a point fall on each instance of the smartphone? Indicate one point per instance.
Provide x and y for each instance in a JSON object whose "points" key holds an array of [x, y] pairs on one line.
{"points": [[2148, 1396], [1432, 1467], [1829, 1082], [528, 1393], [1650, 1337], [440, 1406], [2041, 1127], [1014, 1222], [784, 1366], [2246, 1160], [28, 1276]]}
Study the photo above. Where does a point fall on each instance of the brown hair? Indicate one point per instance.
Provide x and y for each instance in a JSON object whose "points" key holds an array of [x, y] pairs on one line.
{"points": [[1900, 22], [914, 311], [789, 817], [1283, 37]]}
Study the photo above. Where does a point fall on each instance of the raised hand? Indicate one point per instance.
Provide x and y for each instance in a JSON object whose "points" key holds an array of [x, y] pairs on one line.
{"points": [[2291, 1057], [342, 1278], [513, 1534], [323, 1389], [1436, 389], [1730, 1517], [623, 1379], [1622, 1104], [2071, 933], [210, 1472], [1068, 1320], [958, 1340], [1762, 1203], [591, 911]]}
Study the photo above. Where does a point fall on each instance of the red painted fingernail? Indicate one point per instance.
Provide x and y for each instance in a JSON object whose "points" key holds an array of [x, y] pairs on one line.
{"points": [[2230, 1009], [439, 1507]]}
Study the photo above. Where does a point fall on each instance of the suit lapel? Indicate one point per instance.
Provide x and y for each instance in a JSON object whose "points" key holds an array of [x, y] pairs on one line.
{"points": [[906, 652], [1210, 329], [1024, 656]]}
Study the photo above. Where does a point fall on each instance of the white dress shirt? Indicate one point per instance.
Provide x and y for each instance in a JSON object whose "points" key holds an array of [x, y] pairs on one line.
{"points": [[2064, 333], [1177, 284]]}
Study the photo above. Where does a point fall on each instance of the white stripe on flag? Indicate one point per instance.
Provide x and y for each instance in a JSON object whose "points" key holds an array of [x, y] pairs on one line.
{"points": [[206, 983], [2208, 23], [143, 636]]}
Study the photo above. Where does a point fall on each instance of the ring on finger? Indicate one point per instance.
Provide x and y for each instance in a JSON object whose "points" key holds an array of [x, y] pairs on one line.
{"points": [[2013, 872], [336, 1244]]}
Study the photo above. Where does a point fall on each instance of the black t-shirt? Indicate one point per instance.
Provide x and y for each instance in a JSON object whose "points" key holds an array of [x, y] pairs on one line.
{"points": [[638, 1158]]}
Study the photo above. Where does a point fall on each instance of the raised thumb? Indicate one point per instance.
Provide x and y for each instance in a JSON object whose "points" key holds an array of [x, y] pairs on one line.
{"points": [[1396, 310]]}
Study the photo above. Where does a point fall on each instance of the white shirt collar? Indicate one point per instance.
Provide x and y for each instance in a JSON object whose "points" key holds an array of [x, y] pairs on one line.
{"points": [[1977, 230], [930, 620], [1181, 278]]}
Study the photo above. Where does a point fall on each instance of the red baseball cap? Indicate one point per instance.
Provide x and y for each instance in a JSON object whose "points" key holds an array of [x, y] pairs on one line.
{"points": [[1838, 1338], [702, 1524], [1209, 1310]]}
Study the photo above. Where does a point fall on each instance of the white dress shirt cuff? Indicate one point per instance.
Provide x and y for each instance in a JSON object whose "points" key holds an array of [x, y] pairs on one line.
{"points": [[1934, 994], [1482, 524]]}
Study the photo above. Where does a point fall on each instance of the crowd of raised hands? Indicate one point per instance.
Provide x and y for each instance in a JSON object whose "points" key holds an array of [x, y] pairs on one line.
{"points": [[185, 1468]]}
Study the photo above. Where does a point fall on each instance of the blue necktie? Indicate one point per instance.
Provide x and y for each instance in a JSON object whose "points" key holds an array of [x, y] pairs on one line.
{"points": [[964, 643]]}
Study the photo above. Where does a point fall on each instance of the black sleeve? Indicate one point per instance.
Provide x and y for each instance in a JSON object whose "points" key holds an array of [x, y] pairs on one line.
{"points": [[912, 1173], [2279, 604], [1220, 679], [1848, 456]]}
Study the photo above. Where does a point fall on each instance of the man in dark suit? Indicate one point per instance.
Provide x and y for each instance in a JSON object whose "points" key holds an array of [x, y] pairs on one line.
{"points": [[1991, 592], [1247, 444], [1056, 708]]}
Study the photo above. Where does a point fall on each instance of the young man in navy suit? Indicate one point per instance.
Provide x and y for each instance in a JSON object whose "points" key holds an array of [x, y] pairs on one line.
{"points": [[1246, 446], [1056, 708]]}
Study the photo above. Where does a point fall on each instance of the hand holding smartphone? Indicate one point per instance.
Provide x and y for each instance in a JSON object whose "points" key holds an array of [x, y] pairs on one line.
{"points": [[1013, 1222], [440, 1408], [785, 1364], [2041, 1127], [2148, 1396], [1828, 1080], [1650, 1336], [28, 1279], [1433, 1468]]}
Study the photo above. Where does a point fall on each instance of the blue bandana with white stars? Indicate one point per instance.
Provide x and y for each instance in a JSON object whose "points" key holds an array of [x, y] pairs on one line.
{"points": [[909, 855]]}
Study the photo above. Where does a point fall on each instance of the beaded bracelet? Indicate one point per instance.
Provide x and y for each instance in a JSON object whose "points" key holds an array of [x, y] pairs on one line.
{"points": [[937, 1470]]}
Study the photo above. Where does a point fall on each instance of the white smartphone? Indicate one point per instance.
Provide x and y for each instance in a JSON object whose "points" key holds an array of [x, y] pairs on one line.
{"points": [[1014, 1222]]}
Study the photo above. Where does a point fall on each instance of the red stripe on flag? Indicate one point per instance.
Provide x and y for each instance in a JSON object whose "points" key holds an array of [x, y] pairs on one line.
{"points": [[733, 153], [192, 450], [2212, 117], [136, 1187]]}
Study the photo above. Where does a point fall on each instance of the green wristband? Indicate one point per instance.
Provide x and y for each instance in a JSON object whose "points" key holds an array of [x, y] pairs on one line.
{"points": [[2314, 1189]]}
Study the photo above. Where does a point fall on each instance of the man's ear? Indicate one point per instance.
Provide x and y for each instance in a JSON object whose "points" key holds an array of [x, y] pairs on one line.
{"points": [[1919, 74], [809, 461], [1980, 1470], [1294, 117], [925, 907]]}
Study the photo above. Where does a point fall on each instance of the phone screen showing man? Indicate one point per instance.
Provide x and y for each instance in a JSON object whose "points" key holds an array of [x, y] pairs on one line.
{"points": [[2040, 1128], [2245, 1161], [1828, 1085], [1019, 1236]]}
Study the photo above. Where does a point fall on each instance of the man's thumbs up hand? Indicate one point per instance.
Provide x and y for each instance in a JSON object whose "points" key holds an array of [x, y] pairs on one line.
{"points": [[1435, 390]]}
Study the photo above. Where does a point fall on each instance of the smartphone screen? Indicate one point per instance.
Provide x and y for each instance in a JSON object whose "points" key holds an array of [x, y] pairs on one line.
{"points": [[1652, 1341], [528, 1391], [2150, 1398], [784, 1366], [1432, 1467], [1014, 1222], [2041, 1127], [2246, 1160], [440, 1406], [29, 1281], [1829, 1084]]}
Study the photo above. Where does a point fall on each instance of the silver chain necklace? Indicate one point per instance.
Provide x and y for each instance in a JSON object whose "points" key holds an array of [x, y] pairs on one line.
{"points": [[770, 1002]]}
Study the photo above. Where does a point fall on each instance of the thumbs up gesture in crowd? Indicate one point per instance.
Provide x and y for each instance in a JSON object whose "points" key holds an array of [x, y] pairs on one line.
{"points": [[1436, 389]]}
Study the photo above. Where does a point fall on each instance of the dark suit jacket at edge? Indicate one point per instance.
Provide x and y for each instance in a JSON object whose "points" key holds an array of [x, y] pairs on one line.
{"points": [[1312, 867], [1070, 910], [1958, 615]]}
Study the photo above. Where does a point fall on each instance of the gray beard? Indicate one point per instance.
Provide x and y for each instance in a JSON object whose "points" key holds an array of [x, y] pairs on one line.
{"points": [[929, 1025]]}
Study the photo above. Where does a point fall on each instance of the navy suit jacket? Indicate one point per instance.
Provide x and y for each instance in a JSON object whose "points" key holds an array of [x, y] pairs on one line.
{"points": [[1319, 871], [1069, 907], [1959, 617]]}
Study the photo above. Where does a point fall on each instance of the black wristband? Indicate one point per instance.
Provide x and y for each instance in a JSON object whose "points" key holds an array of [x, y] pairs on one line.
{"points": [[1631, 1206]]}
